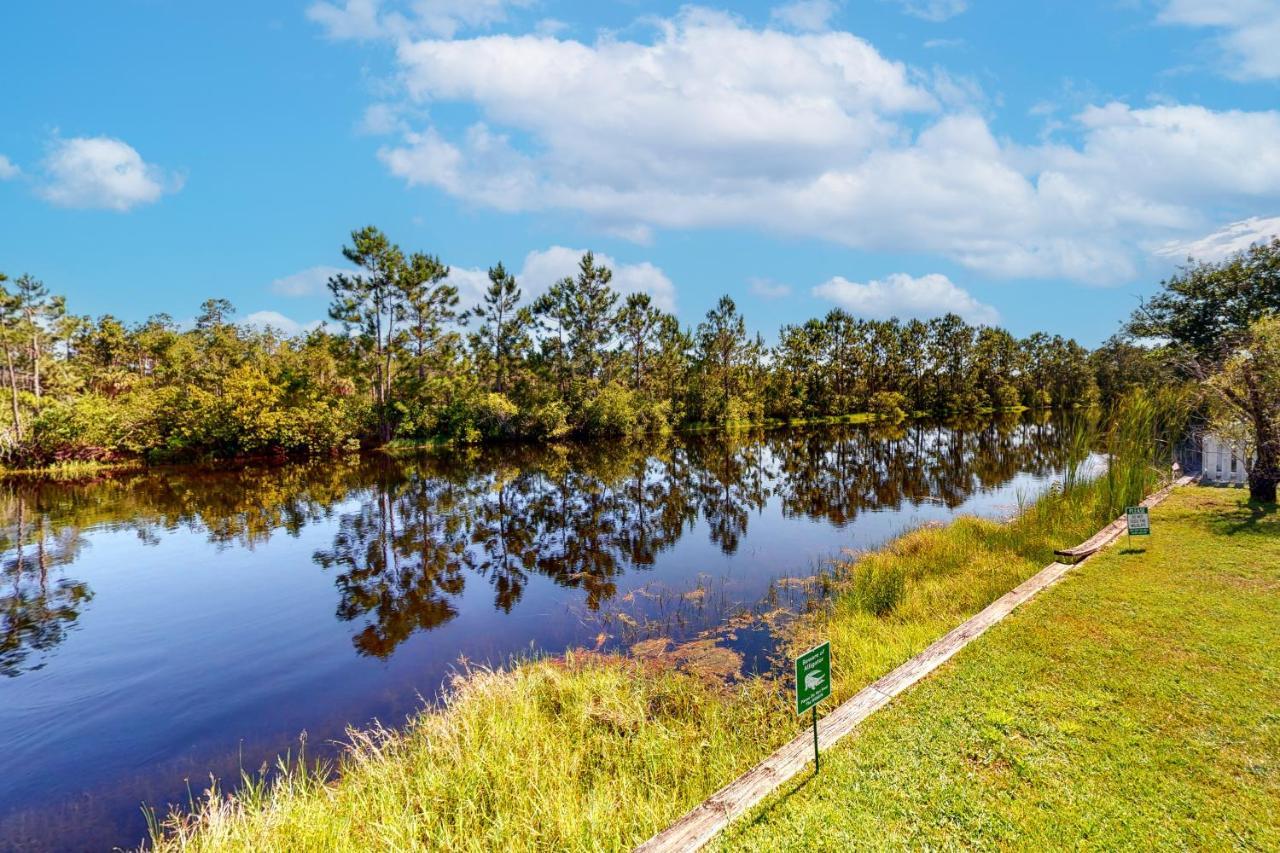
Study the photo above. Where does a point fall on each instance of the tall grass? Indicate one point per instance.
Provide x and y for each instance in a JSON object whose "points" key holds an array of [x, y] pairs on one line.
{"points": [[1141, 434], [581, 753], [597, 753]]}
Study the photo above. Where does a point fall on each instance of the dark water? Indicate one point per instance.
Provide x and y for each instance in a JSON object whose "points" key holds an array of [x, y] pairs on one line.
{"points": [[163, 627]]}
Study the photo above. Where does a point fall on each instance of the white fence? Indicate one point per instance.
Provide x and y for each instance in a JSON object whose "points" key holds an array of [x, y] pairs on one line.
{"points": [[1223, 460]]}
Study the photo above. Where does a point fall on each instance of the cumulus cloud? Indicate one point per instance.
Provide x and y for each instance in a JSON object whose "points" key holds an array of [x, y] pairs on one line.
{"points": [[472, 284], [1248, 32], [363, 20], [275, 320], [8, 169], [306, 282], [1226, 241], [900, 295], [714, 124], [933, 10], [101, 172], [804, 15], [545, 267]]}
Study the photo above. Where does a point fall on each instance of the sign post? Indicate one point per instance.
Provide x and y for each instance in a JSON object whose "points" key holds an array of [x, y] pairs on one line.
{"points": [[1138, 521], [813, 684]]}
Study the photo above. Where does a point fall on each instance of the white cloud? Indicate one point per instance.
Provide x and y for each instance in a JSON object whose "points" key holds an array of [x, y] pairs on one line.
{"points": [[933, 10], [714, 124], [101, 172], [768, 289], [471, 284], [542, 269], [1224, 242], [1249, 31], [279, 322], [306, 282], [1174, 153], [805, 15], [545, 267], [363, 20], [8, 169], [900, 295], [354, 19]]}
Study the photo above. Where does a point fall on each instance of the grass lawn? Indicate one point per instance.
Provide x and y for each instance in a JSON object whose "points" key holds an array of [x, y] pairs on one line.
{"points": [[1134, 705]]}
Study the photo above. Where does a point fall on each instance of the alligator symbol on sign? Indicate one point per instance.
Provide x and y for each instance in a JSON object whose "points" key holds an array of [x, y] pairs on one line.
{"points": [[813, 677]]}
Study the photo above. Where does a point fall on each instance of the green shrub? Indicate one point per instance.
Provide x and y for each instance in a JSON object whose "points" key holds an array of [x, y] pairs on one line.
{"points": [[888, 405], [1006, 396], [610, 412], [82, 429], [548, 420]]}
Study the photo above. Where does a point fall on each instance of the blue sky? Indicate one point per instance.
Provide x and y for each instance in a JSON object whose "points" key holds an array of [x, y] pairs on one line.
{"points": [[1040, 165]]}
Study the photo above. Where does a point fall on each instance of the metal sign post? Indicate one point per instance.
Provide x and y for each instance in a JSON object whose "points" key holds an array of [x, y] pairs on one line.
{"points": [[813, 684]]}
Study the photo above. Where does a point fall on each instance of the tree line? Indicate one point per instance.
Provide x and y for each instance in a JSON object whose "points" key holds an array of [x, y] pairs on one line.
{"points": [[403, 360]]}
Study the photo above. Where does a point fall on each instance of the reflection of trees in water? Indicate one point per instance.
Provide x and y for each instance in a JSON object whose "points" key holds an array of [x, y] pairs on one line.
{"points": [[409, 532], [578, 516], [399, 561], [837, 472], [36, 608], [731, 480]]}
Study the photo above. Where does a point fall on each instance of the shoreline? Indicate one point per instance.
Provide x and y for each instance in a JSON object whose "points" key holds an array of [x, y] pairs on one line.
{"points": [[64, 471], [627, 728], [699, 826], [1131, 706]]}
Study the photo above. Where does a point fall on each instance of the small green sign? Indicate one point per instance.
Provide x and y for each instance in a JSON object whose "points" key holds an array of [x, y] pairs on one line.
{"points": [[813, 677], [1139, 520]]}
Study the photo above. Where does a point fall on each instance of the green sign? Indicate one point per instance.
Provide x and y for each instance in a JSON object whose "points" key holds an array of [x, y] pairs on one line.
{"points": [[1139, 520], [813, 677]]}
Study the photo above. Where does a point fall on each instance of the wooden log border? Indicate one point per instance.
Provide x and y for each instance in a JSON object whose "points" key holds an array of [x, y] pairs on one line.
{"points": [[706, 820]]}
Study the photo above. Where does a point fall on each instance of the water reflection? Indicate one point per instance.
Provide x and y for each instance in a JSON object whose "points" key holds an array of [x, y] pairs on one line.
{"points": [[37, 606], [410, 533]]}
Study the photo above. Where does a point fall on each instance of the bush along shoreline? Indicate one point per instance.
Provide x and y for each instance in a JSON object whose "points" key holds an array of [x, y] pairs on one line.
{"points": [[82, 469], [586, 751]]}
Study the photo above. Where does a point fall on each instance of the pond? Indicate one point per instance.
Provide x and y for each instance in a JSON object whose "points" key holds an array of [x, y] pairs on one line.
{"points": [[161, 627]]}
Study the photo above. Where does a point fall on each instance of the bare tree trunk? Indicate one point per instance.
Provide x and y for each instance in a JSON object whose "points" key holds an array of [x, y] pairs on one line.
{"points": [[13, 389], [35, 364], [386, 381], [1265, 472], [1263, 477]]}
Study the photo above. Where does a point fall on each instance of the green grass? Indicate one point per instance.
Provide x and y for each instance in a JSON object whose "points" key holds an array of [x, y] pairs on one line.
{"points": [[1134, 705], [593, 752], [70, 470]]}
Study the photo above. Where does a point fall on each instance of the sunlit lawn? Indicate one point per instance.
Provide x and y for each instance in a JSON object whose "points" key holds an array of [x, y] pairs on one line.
{"points": [[1135, 705]]}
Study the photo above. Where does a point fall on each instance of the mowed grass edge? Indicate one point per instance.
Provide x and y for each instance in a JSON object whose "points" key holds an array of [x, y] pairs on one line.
{"points": [[1135, 705]]}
